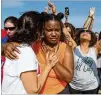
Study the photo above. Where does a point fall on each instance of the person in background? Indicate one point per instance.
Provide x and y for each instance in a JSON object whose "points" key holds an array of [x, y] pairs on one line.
{"points": [[98, 45], [10, 25], [97, 35], [85, 59], [4, 39]]}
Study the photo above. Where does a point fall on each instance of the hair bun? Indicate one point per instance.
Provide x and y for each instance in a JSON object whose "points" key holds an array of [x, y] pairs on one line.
{"points": [[60, 15], [43, 13]]}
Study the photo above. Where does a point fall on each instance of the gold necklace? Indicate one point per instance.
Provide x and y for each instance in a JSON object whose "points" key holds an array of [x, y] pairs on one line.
{"points": [[46, 48]]}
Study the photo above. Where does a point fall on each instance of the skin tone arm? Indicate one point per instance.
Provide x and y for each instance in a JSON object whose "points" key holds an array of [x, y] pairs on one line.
{"points": [[91, 24], [68, 38], [88, 21], [65, 70], [31, 82], [34, 84], [3, 46], [52, 7], [9, 48]]}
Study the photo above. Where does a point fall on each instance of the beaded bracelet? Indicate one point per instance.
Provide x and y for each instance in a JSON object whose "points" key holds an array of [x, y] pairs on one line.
{"points": [[89, 16]]}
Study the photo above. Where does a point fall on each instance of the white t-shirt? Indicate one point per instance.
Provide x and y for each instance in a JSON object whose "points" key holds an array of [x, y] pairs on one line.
{"points": [[27, 61], [85, 72]]}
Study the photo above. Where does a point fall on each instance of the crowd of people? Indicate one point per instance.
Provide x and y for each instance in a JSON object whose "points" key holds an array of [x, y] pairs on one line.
{"points": [[43, 55]]}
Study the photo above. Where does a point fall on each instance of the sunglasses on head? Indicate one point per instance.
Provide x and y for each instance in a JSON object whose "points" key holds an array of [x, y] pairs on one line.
{"points": [[10, 28]]}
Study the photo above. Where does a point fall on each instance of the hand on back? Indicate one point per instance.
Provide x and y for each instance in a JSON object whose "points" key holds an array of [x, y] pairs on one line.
{"points": [[9, 50]]}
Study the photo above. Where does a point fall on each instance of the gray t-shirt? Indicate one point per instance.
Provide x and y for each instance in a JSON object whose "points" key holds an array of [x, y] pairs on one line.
{"points": [[85, 72], [99, 62]]}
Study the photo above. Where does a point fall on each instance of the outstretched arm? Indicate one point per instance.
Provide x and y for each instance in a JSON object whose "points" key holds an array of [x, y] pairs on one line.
{"points": [[89, 18], [68, 39], [91, 24], [52, 7]]}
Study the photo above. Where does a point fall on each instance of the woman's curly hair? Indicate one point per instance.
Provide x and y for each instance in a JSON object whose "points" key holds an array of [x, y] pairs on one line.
{"points": [[27, 27], [93, 37]]}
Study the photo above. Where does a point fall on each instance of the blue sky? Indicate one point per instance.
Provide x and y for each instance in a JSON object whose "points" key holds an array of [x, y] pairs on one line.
{"points": [[79, 10]]}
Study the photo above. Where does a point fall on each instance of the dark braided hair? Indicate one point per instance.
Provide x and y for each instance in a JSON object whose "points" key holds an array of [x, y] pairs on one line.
{"points": [[46, 17]]}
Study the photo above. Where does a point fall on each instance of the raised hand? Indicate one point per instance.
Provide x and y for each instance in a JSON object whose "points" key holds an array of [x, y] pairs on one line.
{"points": [[92, 11], [46, 9], [93, 17], [65, 31], [52, 7]]}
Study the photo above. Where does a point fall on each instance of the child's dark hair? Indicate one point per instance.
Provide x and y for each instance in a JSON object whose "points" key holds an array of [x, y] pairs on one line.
{"points": [[27, 27]]}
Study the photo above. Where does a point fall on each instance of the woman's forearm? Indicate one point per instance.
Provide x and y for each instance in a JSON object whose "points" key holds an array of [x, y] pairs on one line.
{"points": [[42, 77], [69, 41], [87, 22], [91, 25], [62, 72]]}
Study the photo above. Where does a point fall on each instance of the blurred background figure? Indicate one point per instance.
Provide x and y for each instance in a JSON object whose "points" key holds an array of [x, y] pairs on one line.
{"points": [[3, 36], [98, 45], [4, 39], [10, 25], [97, 35]]}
